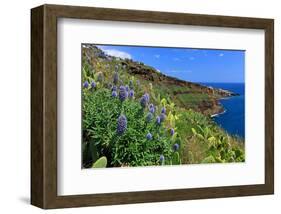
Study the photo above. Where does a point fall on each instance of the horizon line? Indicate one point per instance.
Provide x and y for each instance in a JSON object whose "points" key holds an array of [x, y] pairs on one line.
{"points": [[220, 82]]}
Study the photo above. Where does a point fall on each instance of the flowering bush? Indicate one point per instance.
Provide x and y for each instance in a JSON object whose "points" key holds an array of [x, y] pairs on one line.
{"points": [[115, 128]]}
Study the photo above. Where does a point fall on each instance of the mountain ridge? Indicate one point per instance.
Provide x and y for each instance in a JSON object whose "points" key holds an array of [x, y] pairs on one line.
{"points": [[186, 94]]}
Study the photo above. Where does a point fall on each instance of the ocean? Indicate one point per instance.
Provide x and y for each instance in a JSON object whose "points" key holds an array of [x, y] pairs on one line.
{"points": [[233, 119]]}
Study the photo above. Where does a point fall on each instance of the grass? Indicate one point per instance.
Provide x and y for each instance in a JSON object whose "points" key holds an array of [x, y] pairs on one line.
{"points": [[191, 100]]}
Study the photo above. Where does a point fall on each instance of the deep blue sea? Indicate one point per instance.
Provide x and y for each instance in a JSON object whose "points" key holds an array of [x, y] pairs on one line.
{"points": [[233, 120]]}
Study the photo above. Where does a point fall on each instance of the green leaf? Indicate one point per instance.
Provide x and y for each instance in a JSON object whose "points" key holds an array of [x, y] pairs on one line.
{"points": [[212, 138], [176, 159], [100, 163], [209, 159], [194, 131], [200, 136]]}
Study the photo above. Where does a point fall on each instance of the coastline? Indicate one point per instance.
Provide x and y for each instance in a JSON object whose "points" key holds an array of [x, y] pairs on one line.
{"points": [[218, 114]]}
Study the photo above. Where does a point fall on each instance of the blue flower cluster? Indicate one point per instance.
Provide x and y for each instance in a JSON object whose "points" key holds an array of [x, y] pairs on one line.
{"points": [[114, 93], [131, 93], [176, 147], [85, 84], [151, 108], [121, 124], [114, 88], [172, 131], [149, 136], [149, 117], [144, 100], [93, 85], [158, 120], [162, 117], [123, 93]]}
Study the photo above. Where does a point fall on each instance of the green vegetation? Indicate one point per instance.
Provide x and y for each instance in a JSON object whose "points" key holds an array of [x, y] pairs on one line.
{"points": [[206, 142], [131, 119]]}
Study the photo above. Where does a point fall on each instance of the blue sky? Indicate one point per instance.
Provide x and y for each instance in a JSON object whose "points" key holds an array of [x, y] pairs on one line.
{"points": [[196, 65]]}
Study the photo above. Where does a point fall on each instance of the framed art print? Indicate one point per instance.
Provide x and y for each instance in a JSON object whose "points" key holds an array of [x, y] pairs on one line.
{"points": [[139, 106]]}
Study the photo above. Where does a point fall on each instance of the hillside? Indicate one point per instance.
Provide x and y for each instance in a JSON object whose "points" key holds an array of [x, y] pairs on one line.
{"points": [[185, 94], [133, 115]]}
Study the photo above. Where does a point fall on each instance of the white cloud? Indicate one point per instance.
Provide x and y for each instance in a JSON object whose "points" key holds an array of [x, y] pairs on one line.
{"points": [[221, 54], [117, 53], [157, 56]]}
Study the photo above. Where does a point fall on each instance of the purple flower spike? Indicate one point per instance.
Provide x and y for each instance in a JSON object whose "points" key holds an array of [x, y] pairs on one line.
{"points": [[146, 95], [131, 93], [114, 88], [93, 84], [127, 88], [163, 110], [162, 117], [121, 124], [85, 84], [144, 100], [114, 94], [176, 147], [123, 94], [151, 108], [158, 120], [149, 117], [149, 136], [172, 131]]}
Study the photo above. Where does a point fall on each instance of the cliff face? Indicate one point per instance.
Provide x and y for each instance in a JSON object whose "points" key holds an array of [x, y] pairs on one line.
{"points": [[150, 74], [185, 94]]}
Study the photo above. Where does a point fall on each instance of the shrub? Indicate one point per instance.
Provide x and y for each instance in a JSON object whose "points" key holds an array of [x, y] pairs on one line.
{"points": [[120, 131]]}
